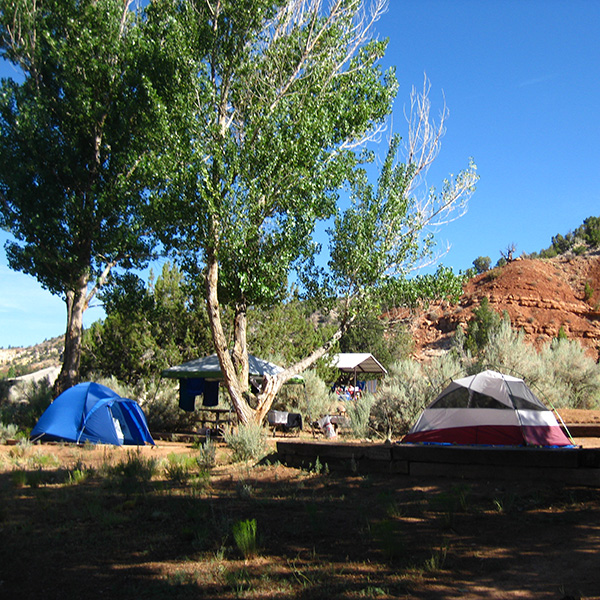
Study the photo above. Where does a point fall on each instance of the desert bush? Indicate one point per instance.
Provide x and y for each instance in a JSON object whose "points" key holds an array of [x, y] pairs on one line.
{"points": [[207, 455], [133, 473], [440, 372], [407, 389], [179, 467], [397, 401], [508, 352], [29, 401], [567, 376], [359, 412], [7, 432], [312, 400], [247, 442]]}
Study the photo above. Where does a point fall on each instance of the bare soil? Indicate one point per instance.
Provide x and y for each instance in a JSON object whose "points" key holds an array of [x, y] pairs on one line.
{"points": [[320, 535]]}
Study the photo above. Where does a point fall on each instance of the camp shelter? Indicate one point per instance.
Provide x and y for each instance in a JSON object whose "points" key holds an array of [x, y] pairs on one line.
{"points": [[357, 364], [201, 376], [489, 408], [91, 412]]}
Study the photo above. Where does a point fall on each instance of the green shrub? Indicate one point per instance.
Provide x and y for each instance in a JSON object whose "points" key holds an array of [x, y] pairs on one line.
{"points": [[30, 400], [482, 264], [7, 432], [359, 412], [479, 329], [244, 535], [248, 442], [567, 376], [207, 455], [179, 467], [134, 473]]}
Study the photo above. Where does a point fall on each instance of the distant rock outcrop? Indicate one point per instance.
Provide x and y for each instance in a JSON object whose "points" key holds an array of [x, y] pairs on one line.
{"points": [[541, 296]]}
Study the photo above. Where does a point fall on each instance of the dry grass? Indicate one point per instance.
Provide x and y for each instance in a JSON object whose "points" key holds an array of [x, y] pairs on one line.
{"points": [[108, 522]]}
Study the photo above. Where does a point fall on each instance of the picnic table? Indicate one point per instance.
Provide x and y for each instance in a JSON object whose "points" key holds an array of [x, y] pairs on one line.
{"points": [[215, 419]]}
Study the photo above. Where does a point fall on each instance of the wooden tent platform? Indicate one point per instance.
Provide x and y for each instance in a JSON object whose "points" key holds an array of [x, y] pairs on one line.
{"points": [[578, 466]]}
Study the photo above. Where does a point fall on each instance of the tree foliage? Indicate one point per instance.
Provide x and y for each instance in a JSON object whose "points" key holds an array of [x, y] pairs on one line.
{"points": [[584, 237], [480, 328], [281, 96], [482, 264], [147, 328], [80, 127]]}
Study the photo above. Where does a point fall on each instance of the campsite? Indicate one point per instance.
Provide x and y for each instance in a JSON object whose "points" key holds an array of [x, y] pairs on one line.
{"points": [[270, 382], [183, 516]]}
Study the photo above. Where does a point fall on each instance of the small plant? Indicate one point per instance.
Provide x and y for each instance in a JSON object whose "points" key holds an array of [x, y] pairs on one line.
{"points": [[244, 535], [7, 432], [388, 538], [207, 457], [437, 559], [77, 476], [588, 292], [249, 442], [134, 472], [179, 467], [19, 478], [200, 481], [244, 491], [505, 503]]}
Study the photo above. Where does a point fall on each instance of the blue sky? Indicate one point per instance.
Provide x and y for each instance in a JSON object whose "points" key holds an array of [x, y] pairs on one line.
{"points": [[521, 81]]}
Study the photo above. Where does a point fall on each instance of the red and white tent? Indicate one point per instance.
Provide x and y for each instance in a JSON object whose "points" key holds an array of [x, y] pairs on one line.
{"points": [[488, 408]]}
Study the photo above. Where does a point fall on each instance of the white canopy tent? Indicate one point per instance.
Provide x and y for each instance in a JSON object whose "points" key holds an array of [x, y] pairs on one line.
{"points": [[357, 363]]}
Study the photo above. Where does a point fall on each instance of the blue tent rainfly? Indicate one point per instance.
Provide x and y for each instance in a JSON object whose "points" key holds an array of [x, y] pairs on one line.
{"points": [[91, 412]]}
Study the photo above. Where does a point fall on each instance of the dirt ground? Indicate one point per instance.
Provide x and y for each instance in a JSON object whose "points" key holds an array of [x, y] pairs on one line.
{"points": [[319, 534]]}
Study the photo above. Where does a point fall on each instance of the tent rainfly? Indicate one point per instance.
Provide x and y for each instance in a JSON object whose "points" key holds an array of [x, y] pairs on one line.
{"points": [[90, 412], [489, 409]]}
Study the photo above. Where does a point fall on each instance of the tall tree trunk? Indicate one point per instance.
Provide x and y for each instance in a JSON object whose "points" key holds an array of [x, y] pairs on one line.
{"points": [[240, 344], [244, 412], [76, 301]]}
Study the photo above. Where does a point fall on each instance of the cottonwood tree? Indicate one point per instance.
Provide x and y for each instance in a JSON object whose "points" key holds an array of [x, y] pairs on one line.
{"points": [[79, 124], [283, 96]]}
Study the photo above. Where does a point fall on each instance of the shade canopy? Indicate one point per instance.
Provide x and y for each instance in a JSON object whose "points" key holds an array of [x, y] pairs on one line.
{"points": [[358, 362], [209, 368]]}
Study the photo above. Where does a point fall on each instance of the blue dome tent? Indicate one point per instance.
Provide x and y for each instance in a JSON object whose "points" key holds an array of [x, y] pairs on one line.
{"points": [[90, 412]]}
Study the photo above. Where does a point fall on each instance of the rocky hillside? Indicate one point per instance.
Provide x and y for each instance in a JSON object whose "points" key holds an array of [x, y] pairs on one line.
{"points": [[20, 361], [540, 296]]}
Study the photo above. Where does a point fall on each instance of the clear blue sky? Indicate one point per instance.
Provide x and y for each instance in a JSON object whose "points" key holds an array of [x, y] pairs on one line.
{"points": [[521, 81]]}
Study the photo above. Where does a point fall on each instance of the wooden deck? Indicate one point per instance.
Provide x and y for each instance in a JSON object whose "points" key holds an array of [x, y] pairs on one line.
{"points": [[578, 466]]}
